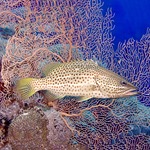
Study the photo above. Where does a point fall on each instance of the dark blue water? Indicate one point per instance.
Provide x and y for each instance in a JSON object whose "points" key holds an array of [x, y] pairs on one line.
{"points": [[132, 17]]}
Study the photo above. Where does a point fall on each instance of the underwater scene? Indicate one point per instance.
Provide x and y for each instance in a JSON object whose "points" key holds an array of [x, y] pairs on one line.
{"points": [[84, 35]]}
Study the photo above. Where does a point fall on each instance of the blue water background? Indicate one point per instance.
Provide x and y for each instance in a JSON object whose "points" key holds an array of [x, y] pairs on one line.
{"points": [[132, 17]]}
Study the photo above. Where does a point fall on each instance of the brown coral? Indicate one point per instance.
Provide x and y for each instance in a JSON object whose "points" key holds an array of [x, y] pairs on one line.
{"points": [[29, 131]]}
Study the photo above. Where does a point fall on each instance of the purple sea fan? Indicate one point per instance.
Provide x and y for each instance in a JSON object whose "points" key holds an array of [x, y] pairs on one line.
{"points": [[59, 134], [132, 60]]}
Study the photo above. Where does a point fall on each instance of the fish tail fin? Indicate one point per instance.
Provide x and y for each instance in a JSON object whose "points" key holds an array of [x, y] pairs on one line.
{"points": [[24, 87]]}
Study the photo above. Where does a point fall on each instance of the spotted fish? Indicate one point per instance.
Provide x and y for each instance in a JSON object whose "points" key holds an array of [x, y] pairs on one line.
{"points": [[84, 79]]}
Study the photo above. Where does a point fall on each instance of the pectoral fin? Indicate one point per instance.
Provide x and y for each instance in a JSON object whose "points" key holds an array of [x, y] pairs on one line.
{"points": [[97, 81]]}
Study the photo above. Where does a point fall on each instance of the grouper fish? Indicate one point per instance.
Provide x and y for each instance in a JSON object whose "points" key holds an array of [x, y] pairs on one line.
{"points": [[83, 79]]}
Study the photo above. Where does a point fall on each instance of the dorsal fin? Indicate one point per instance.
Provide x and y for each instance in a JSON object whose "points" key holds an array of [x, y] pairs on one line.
{"points": [[50, 67], [82, 63]]}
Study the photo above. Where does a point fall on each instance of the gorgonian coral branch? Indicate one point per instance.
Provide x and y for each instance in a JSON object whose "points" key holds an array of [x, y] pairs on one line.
{"points": [[132, 61]]}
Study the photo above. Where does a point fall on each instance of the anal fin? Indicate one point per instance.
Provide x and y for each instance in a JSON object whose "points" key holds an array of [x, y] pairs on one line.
{"points": [[51, 97], [83, 98]]}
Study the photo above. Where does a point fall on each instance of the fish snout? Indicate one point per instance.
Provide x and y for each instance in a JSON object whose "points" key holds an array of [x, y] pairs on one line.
{"points": [[131, 92]]}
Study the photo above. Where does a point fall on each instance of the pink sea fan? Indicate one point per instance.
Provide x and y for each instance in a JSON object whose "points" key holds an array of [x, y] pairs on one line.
{"points": [[132, 61], [45, 27]]}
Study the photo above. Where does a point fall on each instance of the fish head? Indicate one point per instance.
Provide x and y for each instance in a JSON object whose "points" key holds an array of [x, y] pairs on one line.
{"points": [[114, 86], [123, 88]]}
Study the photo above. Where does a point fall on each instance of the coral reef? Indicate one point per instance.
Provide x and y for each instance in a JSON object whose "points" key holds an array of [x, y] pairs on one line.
{"points": [[9, 107], [34, 33]]}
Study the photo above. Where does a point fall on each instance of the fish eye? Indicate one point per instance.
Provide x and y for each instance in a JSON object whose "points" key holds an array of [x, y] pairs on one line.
{"points": [[123, 83]]}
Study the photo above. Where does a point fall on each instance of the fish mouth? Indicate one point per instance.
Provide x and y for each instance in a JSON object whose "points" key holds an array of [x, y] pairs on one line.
{"points": [[132, 92]]}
